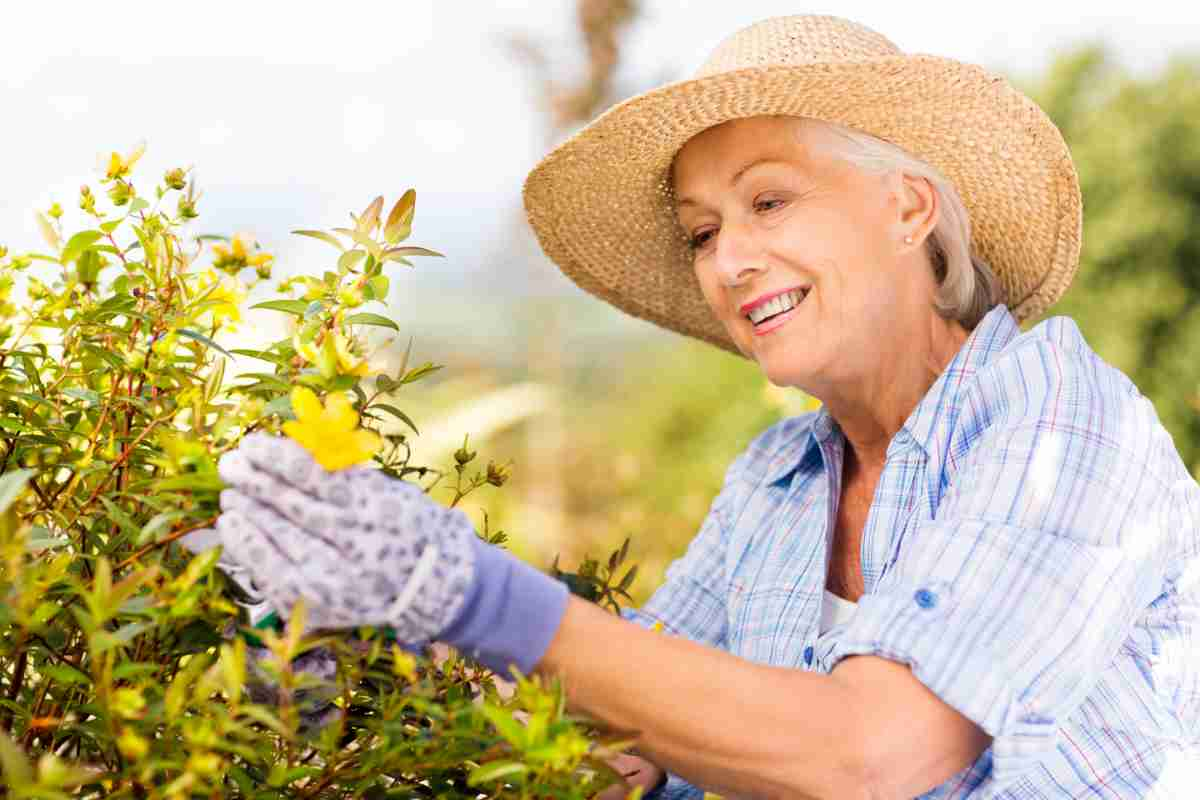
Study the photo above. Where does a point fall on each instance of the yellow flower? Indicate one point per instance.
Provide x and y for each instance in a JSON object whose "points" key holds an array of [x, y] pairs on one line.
{"points": [[330, 433], [119, 167], [225, 300], [347, 360], [236, 255]]}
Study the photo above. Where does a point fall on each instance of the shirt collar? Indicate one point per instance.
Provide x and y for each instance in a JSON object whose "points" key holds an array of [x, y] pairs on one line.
{"points": [[990, 336]]}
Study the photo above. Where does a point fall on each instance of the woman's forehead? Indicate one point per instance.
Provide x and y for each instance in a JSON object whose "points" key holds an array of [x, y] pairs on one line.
{"points": [[725, 152]]}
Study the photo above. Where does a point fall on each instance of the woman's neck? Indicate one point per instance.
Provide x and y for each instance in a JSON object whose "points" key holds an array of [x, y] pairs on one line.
{"points": [[871, 411]]}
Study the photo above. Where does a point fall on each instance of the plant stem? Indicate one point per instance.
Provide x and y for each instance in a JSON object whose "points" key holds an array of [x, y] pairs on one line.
{"points": [[179, 534], [18, 679]]}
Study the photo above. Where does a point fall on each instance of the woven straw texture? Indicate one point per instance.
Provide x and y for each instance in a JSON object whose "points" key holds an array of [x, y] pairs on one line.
{"points": [[602, 208]]}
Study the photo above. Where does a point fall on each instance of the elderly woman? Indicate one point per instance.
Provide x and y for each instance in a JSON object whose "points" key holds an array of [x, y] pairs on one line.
{"points": [[975, 572]]}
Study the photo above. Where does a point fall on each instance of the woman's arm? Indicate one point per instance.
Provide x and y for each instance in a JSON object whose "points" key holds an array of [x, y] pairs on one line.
{"points": [[747, 730]]}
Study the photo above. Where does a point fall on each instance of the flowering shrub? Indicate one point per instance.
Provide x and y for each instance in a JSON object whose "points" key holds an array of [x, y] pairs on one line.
{"points": [[122, 673]]}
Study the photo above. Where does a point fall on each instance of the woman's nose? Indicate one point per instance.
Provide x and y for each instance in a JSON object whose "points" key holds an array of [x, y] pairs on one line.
{"points": [[738, 256]]}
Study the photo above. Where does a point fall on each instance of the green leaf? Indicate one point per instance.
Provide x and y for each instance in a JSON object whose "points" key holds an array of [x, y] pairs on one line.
{"points": [[494, 770], [379, 286], [508, 727], [288, 306], [367, 318], [399, 221], [323, 236], [198, 567], [78, 243], [363, 240], [158, 522], [90, 397], [134, 669], [43, 539], [65, 674], [199, 337], [89, 266], [267, 378], [110, 226], [416, 373], [350, 259], [17, 770], [118, 515], [627, 581], [192, 481], [395, 412], [11, 486], [262, 355], [48, 232], [281, 406], [413, 251]]}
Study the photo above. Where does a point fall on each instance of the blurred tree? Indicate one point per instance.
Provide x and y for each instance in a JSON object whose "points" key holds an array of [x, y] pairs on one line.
{"points": [[1136, 143]]}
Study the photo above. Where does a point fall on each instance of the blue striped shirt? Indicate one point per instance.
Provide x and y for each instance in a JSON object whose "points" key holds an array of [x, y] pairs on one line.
{"points": [[1032, 553]]}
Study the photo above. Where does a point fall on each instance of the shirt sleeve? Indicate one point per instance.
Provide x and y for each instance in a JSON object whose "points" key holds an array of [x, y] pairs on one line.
{"points": [[1050, 539]]}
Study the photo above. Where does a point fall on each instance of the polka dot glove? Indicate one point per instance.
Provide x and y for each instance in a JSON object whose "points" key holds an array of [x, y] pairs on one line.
{"points": [[365, 549], [360, 548]]}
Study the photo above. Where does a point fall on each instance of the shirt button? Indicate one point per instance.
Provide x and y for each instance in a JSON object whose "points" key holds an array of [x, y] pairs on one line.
{"points": [[808, 655], [926, 599]]}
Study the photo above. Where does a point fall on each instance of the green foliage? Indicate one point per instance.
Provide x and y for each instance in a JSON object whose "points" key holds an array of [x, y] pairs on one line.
{"points": [[1136, 142], [121, 674]]}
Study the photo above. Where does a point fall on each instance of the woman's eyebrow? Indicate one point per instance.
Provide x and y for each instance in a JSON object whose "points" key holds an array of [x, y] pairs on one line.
{"points": [[737, 176]]}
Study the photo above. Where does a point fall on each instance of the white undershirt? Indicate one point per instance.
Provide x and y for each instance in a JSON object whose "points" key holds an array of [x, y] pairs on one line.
{"points": [[835, 611]]}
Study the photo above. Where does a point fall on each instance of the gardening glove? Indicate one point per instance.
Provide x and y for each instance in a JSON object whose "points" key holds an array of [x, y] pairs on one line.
{"points": [[365, 549]]}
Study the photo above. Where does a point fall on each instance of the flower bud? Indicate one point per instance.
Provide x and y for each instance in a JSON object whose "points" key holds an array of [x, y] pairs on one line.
{"points": [[55, 211], [3, 251], [349, 297], [263, 270], [119, 193], [186, 209], [463, 456], [497, 475], [175, 178]]}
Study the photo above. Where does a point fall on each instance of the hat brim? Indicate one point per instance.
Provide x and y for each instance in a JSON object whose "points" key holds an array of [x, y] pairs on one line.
{"points": [[600, 203]]}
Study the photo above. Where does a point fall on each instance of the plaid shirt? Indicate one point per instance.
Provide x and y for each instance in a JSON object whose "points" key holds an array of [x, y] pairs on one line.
{"points": [[1032, 553]]}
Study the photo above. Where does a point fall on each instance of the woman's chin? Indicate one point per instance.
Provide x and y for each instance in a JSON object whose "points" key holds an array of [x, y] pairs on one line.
{"points": [[784, 373]]}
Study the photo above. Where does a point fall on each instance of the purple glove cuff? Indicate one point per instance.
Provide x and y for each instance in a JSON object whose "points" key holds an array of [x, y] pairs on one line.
{"points": [[510, 615]]}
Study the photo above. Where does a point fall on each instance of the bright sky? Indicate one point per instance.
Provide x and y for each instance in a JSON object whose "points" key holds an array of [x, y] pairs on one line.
{"points": [[295, 113]]}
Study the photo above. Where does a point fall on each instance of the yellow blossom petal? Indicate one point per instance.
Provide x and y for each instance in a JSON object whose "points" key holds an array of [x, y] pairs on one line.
{"points": [[339, 414], [305, 404], [134, 155], [330, 433]]}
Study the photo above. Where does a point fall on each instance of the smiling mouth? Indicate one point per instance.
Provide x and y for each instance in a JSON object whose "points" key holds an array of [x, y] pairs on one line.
{"points": [[780, 304]]}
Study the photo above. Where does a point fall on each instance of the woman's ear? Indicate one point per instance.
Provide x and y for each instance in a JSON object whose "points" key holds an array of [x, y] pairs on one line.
{"points": [[918, 210]]}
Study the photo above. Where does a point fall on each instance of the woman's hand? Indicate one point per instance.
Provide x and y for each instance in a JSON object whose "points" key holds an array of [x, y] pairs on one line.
{"points": [[361, 548], [637, 771]]}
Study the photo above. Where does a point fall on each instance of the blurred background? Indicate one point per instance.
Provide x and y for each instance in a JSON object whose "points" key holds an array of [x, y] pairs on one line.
{"points": [[294, 114]]}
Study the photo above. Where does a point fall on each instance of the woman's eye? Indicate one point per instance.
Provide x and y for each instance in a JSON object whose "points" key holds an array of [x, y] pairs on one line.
{"points": [[767, 204], [701, 238]]}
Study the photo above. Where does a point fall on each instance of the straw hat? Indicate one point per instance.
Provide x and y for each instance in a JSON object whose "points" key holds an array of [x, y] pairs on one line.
{"points": [[602, 208]]}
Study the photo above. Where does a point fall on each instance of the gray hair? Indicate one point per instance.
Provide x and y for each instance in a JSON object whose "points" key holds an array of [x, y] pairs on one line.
{"points": [[967, 286]]}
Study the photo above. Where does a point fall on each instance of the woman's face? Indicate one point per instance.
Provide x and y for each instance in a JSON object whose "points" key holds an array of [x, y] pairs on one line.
{"points": [[800, 255]]}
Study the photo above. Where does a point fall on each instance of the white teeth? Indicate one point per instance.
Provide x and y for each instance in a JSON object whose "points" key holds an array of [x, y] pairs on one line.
{"points": [[776, 305]]}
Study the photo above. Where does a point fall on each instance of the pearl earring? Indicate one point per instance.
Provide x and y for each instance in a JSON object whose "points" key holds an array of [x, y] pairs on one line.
{"points": [[908, 240]]}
